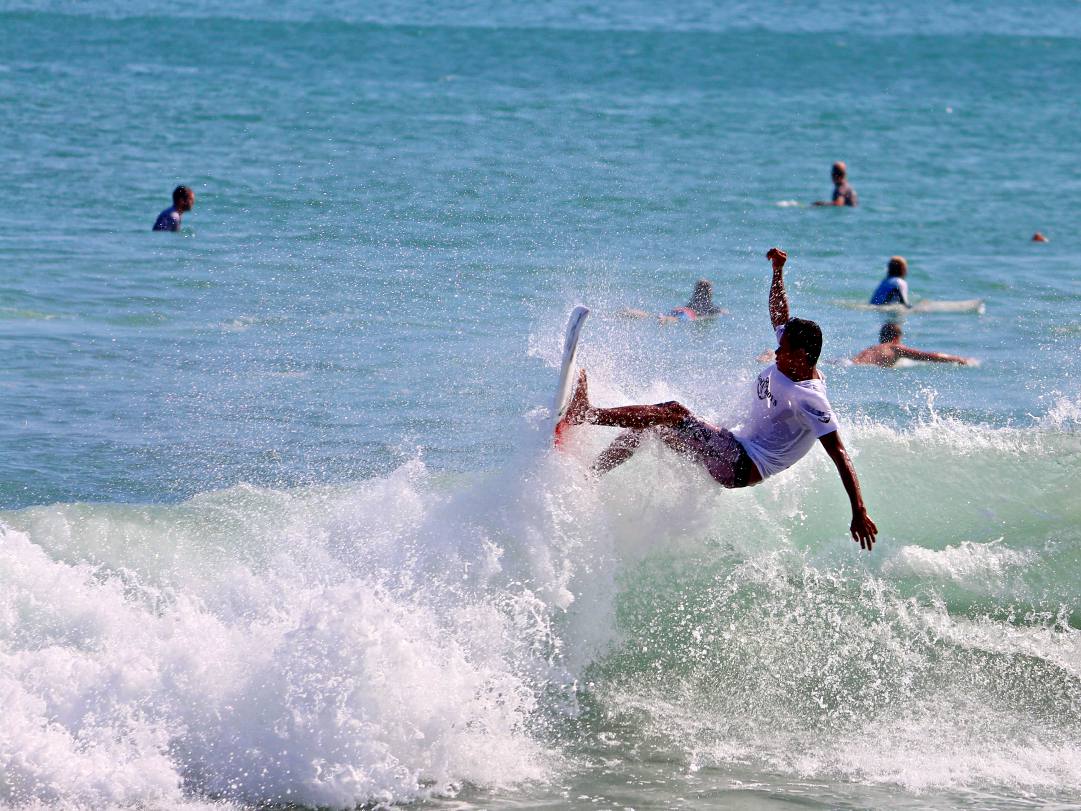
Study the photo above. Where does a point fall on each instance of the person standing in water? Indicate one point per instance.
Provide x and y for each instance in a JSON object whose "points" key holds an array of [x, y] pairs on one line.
{"points": [[789, 412], [183, 201], [843, 193], [889, 350], [893, 289]]}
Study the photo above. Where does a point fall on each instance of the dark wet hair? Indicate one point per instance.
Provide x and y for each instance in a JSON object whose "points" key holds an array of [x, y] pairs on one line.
{"points": [[702, 298], [897, 266], [805, 335], [888, 332], [181, 192]]}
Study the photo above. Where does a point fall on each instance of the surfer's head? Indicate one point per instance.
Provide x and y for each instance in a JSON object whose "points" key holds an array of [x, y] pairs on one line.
{"points": [[183, 198], [839, 171], [889, 333], [801, 344], [897, 266], [702, 297]]}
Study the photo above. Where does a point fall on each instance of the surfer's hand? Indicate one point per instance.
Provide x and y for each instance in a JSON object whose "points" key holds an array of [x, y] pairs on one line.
{"points": [[777, 256], [863, 530]]}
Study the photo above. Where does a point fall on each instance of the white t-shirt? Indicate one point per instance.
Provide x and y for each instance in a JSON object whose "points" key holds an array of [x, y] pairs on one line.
{"points": [[786, 418]]}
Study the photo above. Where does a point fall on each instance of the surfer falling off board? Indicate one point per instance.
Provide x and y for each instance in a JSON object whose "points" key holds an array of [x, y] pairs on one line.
{"points": [[788, 412]]}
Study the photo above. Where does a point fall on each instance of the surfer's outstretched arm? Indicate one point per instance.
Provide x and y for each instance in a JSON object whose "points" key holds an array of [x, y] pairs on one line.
{"points": [[778, 298], [930, 357], [863, 528]]}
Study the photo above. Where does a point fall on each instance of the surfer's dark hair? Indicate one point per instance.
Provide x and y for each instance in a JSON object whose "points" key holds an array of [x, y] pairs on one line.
{"points": [[888, 332], [180, 193], [702, 297], [805, 335]]}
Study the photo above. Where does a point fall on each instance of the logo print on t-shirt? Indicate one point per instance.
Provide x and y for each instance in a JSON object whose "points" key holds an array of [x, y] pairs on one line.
{"points": [[763, 389], [823, 416]]}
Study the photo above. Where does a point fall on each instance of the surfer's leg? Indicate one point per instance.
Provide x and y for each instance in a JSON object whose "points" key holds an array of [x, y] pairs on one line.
{"points": [[632, 416], [618, 452], [579, 404]]}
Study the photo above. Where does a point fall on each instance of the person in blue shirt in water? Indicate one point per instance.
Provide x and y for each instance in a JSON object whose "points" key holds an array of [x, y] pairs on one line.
{"points": [[893, 289], [183, 201]]}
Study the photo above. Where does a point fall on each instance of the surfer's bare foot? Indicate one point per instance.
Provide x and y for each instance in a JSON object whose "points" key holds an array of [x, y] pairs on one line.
{"points": [[578, 409]]}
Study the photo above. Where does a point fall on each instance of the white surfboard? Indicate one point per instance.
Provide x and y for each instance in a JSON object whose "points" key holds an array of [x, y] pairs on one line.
{"points": [[970, 305], [567, 368]]}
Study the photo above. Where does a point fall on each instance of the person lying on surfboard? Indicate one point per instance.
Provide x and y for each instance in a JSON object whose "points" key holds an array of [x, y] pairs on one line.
{"points": [[889, 350], [789, 411], [700, 306]]}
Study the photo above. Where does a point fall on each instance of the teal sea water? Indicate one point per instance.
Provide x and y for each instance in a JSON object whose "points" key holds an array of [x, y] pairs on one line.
{"points": [[279, 524]]}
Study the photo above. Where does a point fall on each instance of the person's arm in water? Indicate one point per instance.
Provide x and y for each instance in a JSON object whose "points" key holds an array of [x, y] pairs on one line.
{"points": [[863, 529], [778, 298], [840, 198], [931, 357]]}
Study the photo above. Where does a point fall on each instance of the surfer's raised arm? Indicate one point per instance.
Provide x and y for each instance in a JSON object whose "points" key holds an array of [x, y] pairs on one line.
{"points": [[778, 298]]}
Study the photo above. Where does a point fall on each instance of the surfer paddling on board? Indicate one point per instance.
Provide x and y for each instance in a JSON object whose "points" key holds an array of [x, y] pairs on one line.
{"points": [[700, 307], [789, 411], [889, 350]]}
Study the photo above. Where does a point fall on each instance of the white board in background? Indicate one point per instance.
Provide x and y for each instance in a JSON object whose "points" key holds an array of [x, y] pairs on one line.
{"points": [[970, 305]]}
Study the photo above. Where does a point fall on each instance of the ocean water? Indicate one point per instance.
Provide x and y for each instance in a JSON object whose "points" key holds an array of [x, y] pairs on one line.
{"points": [[279, 522]]}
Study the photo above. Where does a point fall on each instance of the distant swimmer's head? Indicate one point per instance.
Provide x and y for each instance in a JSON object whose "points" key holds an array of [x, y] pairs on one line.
{"points": [[897, 266], [889, 333], [183, 198], [702, 297], [839, 171], [801, 345]]}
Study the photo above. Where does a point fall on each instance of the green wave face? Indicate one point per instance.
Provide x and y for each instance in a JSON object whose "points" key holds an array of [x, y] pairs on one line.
{"points": [[536, 624]]}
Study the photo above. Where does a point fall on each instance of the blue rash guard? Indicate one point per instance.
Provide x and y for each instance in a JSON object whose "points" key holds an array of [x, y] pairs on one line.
{"points": [[892, 290], [168, 220]]}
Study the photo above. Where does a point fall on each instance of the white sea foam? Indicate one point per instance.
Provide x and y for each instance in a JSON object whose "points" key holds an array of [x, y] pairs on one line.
{"points": [[1064, 414], [288, 660], [806, 673], [957, 738], [980, 565], [401, 637]]}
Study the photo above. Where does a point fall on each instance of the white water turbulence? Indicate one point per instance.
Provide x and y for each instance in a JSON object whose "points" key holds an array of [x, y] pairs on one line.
{"points": [[416, 636], [324, 647]]}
